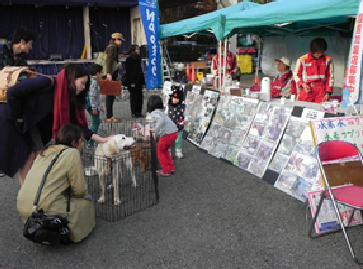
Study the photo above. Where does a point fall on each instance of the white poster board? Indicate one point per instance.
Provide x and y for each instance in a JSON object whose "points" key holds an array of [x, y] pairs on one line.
{"points": [[327, 220], [348, 129]]}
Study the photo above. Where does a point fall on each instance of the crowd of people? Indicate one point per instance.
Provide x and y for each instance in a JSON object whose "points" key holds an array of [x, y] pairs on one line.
{"points": [[45, 115]]}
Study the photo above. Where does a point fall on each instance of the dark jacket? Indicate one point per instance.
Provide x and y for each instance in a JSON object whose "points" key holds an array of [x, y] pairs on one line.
{"points": [[134, 72], [176, 114], [31, 99], [8, 58]]}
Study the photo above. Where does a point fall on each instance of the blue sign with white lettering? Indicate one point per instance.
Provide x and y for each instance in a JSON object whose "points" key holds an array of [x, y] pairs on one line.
{"points": [[149, 10]]}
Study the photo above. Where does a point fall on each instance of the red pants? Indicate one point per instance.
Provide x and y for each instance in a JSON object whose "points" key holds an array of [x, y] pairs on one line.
{"points": [[165, 160], [316, 95]]}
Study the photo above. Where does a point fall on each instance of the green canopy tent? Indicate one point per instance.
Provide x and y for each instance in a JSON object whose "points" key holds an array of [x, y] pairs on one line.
{"points": [[213, 21], [287, 17]]}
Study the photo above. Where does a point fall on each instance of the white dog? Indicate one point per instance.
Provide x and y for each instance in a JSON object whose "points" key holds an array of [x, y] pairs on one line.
{"points": [[114, 155]]}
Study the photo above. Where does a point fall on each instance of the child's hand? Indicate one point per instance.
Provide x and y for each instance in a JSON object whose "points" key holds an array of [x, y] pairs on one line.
{"points": [[102, 110], [95, 112]]}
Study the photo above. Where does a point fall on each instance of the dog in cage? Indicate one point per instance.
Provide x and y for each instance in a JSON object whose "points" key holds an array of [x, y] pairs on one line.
{"points": [[112, 157], [141, 156]]}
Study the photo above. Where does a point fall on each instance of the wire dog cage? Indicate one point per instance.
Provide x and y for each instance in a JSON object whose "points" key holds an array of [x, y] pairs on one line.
{"points": [[121, 175]]}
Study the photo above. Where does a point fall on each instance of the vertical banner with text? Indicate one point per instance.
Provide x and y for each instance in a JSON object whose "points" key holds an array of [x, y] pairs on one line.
{"points": [[149, 10], [354, 70]]}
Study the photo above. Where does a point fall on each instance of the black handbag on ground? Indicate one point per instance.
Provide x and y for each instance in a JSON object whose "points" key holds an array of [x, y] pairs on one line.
{"points": [[43, 229]]}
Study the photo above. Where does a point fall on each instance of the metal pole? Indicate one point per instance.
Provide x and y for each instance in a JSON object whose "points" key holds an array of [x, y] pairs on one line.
{"points": [[224, 64], [219, 65]]}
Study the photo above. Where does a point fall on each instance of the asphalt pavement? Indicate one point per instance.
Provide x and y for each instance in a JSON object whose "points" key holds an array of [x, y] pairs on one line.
{"points": [[211, 215]]}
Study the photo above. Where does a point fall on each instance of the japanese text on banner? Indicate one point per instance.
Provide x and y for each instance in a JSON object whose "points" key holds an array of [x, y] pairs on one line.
{"points": [[353, 77], [149, 11]]}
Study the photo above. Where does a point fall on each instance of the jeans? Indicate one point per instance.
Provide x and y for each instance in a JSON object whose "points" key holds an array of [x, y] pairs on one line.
{"points": [[95, 124], [110, 99]]}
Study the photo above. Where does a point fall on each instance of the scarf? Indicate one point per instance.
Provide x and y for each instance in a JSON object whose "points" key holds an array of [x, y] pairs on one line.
{"points": [[61, 111]]}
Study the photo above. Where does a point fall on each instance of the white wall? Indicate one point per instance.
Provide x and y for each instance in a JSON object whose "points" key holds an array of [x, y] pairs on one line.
{"points": [[135, 14], [294, 47]]}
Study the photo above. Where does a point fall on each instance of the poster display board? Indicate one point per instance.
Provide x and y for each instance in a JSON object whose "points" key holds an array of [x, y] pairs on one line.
{"points": [[192, 101], [300, 173], [327, 220], [348, 129], [202, 115], [229, 127], [262, 140]]}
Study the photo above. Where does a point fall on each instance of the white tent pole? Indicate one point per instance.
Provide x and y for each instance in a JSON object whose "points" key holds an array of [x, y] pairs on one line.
{"points": [[224, 64], [259, 53], [219, 65]]}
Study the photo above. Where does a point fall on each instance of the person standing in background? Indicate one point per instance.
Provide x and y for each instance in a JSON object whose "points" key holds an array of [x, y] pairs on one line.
{"points": [[231, 62], [15, 55], [112, 71], [314, 73], [94, 106], [135, 80]]}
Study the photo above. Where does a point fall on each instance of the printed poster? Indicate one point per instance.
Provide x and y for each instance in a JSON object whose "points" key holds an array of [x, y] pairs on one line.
{"points": [[203, 116], [229, 127], [264, 135], [193, 102], [291, 137], [301, 171], [327, 220], [347, 129]]}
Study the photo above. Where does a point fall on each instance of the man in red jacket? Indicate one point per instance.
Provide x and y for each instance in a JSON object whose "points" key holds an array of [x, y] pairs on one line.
{"points": [[283, 85], [314, 74], [231, 62]]}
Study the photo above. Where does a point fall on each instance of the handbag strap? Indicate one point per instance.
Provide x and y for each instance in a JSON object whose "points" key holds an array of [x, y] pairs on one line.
{"points": [[35, 204]]}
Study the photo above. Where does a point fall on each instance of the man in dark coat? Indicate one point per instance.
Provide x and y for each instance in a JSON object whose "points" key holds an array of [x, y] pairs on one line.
{"points": [[15, 55]]}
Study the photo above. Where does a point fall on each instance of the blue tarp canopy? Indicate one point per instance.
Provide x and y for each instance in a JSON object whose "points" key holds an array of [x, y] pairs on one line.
{"points": [[212, 21], [304, 14]]}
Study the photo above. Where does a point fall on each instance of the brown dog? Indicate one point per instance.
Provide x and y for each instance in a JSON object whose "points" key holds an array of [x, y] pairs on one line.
{"points": [[142, 156]]}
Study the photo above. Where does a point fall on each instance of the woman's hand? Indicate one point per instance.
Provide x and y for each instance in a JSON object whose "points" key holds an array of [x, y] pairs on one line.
{"points": [[98, 139]]}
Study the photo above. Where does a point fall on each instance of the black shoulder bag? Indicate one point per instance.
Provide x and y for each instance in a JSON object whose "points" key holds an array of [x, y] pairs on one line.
{"points": [[43, 229]]}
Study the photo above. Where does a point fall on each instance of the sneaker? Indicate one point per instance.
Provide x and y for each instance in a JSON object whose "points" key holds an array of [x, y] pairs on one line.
{"points": [[179, 154], [113, 120], [172, 171], [2, 174], [162, 173]]}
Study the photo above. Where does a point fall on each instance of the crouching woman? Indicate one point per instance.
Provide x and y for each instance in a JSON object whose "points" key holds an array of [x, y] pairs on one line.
{"points": [[66, 172]]}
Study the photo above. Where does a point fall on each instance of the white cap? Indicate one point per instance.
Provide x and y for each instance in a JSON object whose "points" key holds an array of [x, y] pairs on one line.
{"points": [[283, 60]]}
